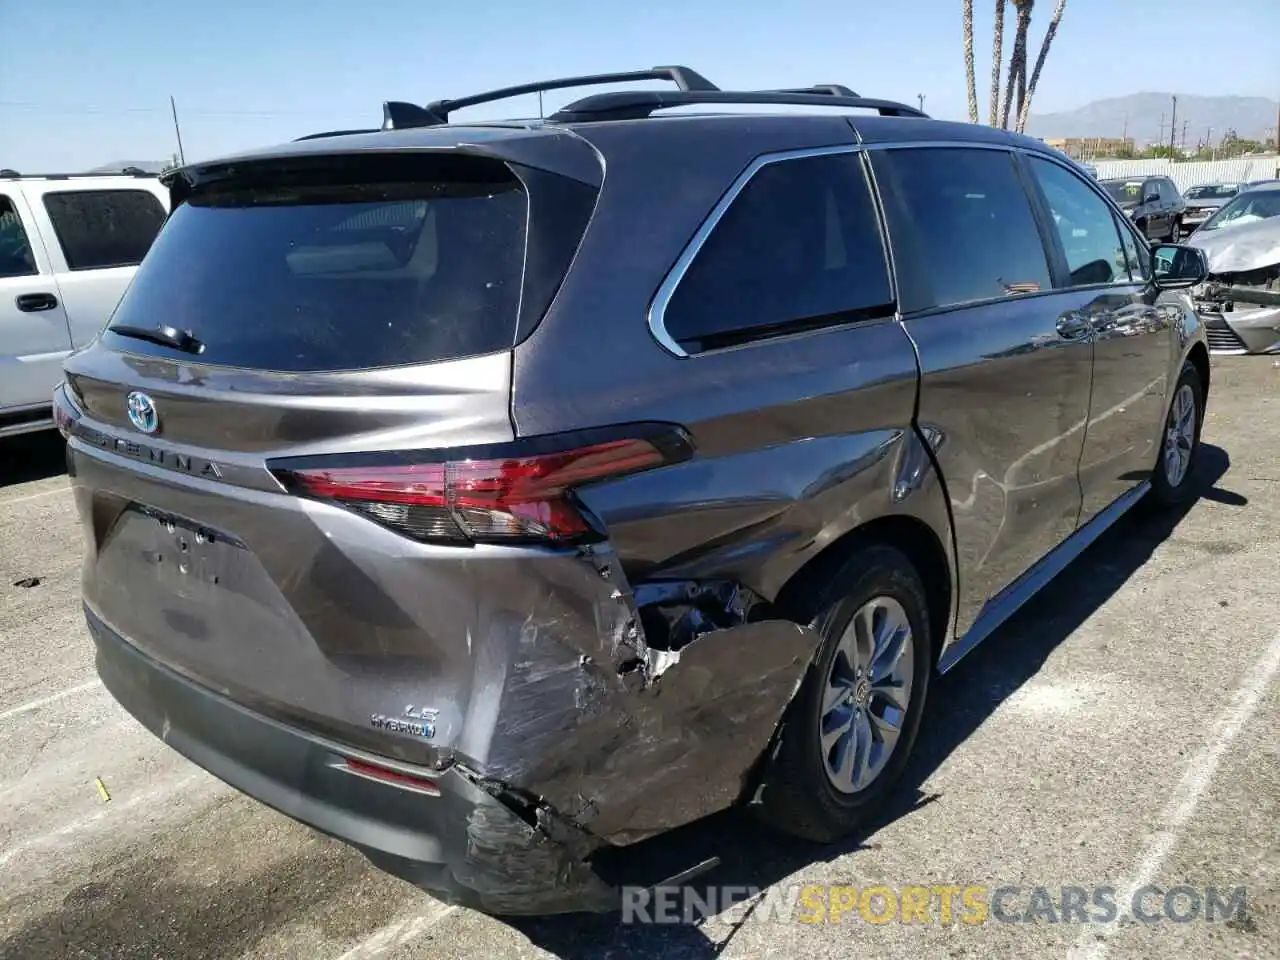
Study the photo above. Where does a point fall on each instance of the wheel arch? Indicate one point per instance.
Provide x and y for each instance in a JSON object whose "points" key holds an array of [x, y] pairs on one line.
{"points": [[1198, 357], [918, 542]]}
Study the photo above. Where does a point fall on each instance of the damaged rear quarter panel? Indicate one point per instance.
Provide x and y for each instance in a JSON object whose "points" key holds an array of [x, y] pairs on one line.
{"points": [[626, 741]]}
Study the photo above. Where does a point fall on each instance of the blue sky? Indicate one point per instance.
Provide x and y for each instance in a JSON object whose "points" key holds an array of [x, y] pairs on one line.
{"points": [[83, 83]]}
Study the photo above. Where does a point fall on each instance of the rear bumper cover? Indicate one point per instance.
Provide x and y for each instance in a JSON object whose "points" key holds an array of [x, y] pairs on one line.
{"points": [[465, 845]]}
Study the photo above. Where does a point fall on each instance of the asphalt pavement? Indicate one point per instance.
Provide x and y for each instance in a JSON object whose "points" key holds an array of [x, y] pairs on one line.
{"points": [[1122, 733]]}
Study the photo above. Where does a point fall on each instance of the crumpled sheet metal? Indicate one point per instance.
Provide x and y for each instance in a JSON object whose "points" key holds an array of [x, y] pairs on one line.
{"points": [[625, 740], [1242, 248]]}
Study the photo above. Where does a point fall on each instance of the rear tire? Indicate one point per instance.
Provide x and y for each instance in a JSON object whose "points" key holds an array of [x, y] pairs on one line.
{"points": [[821, 783], [1172, 481]]}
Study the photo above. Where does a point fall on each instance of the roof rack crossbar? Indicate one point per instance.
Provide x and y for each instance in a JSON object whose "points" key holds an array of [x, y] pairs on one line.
{"points": [[397, 114], [830, 89], [635, 105]]}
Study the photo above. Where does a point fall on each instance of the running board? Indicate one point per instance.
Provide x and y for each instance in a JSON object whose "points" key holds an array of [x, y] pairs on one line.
{"points": [[1008, 601]]}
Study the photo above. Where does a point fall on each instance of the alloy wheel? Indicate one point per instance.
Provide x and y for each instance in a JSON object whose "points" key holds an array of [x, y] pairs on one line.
{"points": [[1180, 435], [867, 693]]}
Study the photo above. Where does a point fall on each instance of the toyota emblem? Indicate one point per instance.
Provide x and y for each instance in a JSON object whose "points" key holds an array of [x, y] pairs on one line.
{"points": [[142, 412]]}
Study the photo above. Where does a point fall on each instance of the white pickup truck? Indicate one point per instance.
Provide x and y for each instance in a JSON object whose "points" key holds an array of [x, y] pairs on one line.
{"points": [[69, 245]]}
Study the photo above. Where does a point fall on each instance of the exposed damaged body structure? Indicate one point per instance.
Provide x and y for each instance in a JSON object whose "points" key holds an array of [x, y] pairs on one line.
{"points": [[1240, 301], [544, 504]]}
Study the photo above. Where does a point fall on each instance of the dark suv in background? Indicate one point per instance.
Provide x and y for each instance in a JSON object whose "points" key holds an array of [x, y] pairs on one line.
{"points": [[1153, 204], [496, 496]]}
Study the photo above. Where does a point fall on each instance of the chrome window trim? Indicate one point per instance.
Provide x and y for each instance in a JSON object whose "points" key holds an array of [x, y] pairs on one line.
{"points": [[658, 307]]}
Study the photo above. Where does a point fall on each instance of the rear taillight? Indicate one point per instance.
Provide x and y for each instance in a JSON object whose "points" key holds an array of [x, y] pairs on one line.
{"points": [[522, 497], [64, 413]]}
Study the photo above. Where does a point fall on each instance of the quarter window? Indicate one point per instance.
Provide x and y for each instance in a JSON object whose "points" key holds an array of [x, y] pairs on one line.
{"points": [[798, 248], [1089, 233], [104, 228], [961, 225], [16, 259]]}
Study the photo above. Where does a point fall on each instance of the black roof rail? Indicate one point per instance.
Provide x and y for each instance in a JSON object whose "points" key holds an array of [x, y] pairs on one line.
{"points": [[636, 105], [398, 115]]}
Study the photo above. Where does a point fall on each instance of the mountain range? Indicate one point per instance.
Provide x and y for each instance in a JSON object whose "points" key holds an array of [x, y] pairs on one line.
{"points": [[1139, 116]]}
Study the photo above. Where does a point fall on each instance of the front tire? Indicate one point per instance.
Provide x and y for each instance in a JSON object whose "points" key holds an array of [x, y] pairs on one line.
{"points": [[1175, 230], [850, 731], [1171, 481]]}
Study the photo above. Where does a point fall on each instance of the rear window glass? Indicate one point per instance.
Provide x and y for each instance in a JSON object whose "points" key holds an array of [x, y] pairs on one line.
{"points": [[98, 229], [300, 271]]}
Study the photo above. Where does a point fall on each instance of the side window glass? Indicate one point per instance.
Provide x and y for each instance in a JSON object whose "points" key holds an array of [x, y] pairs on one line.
{"points": [[1088, 231], [798, 247], [104, 228], [961, 226], [16, 259]]}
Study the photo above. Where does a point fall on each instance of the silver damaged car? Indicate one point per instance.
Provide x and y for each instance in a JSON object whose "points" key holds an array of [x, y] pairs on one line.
{"points": [[1240, 301]]}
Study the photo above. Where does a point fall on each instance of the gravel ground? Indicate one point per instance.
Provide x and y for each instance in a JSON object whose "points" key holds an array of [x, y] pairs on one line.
{"points": [[1122, 731]]}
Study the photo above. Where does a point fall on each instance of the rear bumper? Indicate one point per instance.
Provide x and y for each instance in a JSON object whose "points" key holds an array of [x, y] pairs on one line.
{"points": [[464, 845]]}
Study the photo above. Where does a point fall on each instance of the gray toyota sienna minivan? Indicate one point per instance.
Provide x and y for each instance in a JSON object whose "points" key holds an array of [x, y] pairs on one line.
{"points": [[495, 496]]}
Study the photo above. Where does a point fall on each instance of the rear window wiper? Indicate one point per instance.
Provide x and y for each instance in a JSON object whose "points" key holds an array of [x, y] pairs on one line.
{"points": [[165, 336]]}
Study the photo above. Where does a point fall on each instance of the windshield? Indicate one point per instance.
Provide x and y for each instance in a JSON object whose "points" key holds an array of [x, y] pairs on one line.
{"points": [[1249, 207], [1214, 191], [1124, 191]]}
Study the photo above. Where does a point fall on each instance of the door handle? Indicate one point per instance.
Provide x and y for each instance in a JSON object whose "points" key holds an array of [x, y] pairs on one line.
{"points": [[35, 302], [1072, 326]]}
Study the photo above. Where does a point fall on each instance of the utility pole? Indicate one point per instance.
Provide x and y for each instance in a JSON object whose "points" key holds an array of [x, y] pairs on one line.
{"points": [[173, 107], [1173, 128], [1208, 142], [1184, 134], [540, 113], [1125, 134], [920, 97]]}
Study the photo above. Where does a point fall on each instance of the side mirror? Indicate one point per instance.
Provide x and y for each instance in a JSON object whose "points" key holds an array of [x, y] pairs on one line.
{"points": [[1178, 266], [1151, 198]]}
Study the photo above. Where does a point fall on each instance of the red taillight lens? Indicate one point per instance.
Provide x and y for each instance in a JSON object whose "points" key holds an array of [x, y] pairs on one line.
{"points": [[513, 499], [64, 415]]}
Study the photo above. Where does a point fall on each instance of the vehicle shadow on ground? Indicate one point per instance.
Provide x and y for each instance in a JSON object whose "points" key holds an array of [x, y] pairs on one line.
{"points": [[30, 457], [753, 857]]}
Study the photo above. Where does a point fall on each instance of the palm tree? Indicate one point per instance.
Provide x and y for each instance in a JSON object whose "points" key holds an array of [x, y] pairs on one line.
{"points": [[1024, 108], [997, 57], [1017, 83], [968, 61]]}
